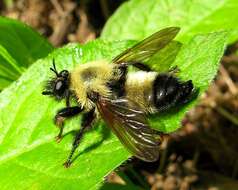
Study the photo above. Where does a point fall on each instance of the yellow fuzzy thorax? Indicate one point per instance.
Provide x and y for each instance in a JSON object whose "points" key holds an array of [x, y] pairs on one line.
{"points": [[92, 76]]}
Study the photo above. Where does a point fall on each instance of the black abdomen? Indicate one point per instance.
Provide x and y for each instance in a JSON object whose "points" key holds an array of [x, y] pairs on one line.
{"points": [[169, 91]]}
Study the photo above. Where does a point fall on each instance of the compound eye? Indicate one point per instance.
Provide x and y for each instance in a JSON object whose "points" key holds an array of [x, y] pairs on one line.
{"points": [[59, 85], [64, 73]]}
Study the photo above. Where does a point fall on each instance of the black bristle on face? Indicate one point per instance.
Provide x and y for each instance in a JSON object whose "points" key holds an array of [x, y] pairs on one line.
{"points": [[57, 86], [49, 87]]}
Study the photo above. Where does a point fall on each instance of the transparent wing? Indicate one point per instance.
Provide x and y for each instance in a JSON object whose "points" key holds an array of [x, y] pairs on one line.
{"points": [[129, 123], [164, 59], [149, 46]]}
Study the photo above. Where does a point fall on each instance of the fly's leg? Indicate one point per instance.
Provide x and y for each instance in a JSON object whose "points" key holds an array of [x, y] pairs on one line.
{"points": [[61, 115], [174, 70], [87, 121], [67, 98], [141, 66], [138, 65], [144, 67]]}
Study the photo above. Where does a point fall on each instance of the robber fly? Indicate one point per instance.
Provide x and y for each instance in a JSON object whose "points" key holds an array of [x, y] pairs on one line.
{"points": [[123, 99]]}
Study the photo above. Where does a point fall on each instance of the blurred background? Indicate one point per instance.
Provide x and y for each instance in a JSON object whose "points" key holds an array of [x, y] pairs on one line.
{"points": [[62, 21], [203, 153]]}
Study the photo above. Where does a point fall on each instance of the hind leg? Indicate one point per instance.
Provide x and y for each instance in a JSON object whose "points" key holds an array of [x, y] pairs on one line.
{"points": [[87, 121]]}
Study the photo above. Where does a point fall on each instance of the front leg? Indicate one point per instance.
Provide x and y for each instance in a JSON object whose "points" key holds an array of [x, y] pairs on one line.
{"points": [[61, 115], [67, 98], [87, 121]]}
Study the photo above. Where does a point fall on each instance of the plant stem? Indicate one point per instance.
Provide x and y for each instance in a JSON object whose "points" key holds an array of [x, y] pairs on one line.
{"points": [[227, 115], [105, 9], [163, 157], [235, 170], [8, 3]]}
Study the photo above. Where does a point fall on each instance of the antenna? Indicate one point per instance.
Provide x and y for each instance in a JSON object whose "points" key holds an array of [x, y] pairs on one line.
{"points": [[54, 68]]}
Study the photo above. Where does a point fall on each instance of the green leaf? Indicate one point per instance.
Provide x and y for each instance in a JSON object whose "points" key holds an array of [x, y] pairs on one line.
{"points": [[20, 46], [29, 156], [138, 19]]}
